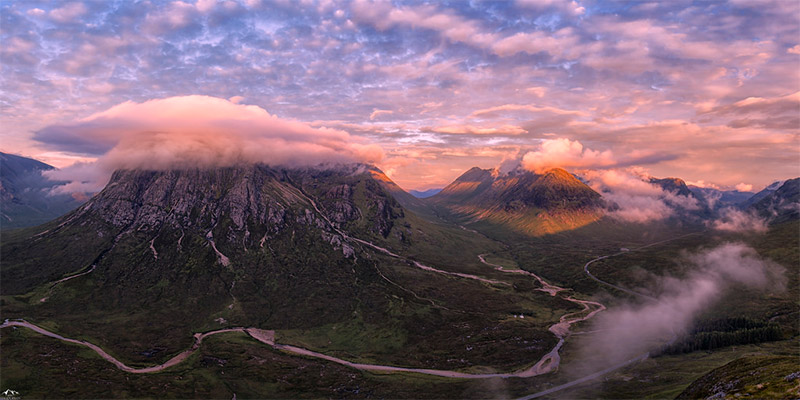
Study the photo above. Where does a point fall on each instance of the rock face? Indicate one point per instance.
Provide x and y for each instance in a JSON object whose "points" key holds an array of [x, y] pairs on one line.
{"points": [[194, 199], [240, 237], [531, 203], [25, 195], [243, 203]]}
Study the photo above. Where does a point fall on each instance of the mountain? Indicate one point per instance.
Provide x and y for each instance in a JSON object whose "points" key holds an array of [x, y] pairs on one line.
{"points": [[424, 193], [692, 205], [673, 185], [721, 198], [780, 205], [530, 203], [772, 187], [202, 217], [167, 253], [25, 195]]}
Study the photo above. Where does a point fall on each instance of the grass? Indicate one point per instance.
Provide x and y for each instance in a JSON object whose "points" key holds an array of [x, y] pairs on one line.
{"points": [[667, 376]]}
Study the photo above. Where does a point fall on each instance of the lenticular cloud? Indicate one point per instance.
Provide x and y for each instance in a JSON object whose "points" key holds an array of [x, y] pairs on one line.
{"points": [[201, 131]]}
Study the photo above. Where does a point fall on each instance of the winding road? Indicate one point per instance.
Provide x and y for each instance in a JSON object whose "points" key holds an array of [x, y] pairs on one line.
{"points": [[622, 289]]}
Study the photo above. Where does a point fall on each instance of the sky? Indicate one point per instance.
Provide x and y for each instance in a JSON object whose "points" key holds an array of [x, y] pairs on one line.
{"points": [[708, 91]]}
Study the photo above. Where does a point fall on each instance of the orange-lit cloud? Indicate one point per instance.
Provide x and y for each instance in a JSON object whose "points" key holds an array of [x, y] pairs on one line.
{"points": [[565, 153]]}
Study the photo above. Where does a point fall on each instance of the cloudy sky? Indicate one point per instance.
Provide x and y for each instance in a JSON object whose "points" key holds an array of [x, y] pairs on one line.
{"points": [[707, 91]]}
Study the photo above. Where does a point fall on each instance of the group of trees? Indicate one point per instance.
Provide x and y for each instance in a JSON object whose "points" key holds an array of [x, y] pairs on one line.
{"points": [[713, 334]]}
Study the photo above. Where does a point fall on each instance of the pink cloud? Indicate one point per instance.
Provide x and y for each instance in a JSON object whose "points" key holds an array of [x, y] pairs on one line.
{"points": [[202, 131], [176, 15], [568, 6], [383, 15], [560, 44], [68, 13], [377, 113], [524, 108], [565, 153], [474, 130], [633, 198], [735, 220]]}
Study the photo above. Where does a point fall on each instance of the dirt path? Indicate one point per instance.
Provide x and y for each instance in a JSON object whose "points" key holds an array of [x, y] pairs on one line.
{"points": [[268, 337], [395, 255], [52, 285], [546, 364], [74, 276], [198, 339]]}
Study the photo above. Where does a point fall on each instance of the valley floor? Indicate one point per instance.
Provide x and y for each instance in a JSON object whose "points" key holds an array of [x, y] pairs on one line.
{"points": [[223, 362]]}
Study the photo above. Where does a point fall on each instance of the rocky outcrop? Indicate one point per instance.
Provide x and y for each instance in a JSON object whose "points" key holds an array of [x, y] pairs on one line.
{"points": [[147, 200]]}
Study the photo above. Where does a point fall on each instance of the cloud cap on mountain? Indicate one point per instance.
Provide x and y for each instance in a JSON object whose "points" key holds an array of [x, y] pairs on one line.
{"points": [[202, 131]]}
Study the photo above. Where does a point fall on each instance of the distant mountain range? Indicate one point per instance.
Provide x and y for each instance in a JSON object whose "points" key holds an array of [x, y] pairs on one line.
{"points": [[721, 198], [424, 194], [26, 197]]}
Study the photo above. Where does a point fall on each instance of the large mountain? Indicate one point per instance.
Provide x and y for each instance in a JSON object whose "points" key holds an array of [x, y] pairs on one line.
{"points": [[202, 218], [530, 203], [690, 206], [25, 195], [169, 252]]}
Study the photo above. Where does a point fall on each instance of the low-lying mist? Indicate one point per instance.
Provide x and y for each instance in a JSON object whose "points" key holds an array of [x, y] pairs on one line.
{"points": [[629, 330], [734, 220]]}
